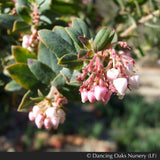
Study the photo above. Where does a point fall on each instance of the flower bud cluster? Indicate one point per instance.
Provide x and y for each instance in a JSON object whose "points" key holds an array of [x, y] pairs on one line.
{"points": [[99, 81], [30, 41], [49, 113]]}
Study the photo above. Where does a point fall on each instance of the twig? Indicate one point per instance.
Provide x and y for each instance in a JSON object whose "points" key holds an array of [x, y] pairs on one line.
{"points": [[141, 21]]}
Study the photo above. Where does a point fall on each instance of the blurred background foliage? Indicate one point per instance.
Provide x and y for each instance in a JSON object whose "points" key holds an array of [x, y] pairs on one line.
{"points": [[131, 124]]}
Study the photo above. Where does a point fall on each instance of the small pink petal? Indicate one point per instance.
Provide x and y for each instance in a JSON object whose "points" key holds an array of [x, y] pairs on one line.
{"points": [[91, 97], [84, 96], [31, 116], [99, 92], [134, 81], [112, 74], [47, 123]]}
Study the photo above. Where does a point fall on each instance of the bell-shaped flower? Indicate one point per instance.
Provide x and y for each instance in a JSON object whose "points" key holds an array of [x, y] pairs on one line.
{"points": [[55, 122], [47, 123], [120, 85], [91, 97], [134, 81], [25, 42], [36, 110], [39, 120], [31, 116], [112, 73], [84, 95], [51, 112], [99, 92]]}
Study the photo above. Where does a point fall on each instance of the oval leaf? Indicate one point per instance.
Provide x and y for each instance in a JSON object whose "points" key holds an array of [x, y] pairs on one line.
{"points": [[47, 57], [22, 75], [22, 54], [70, 61], [103, 38], [56, 43], [41, 71]]}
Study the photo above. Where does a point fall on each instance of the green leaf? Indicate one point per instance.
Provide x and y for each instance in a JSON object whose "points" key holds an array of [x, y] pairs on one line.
{"points": [[43, 5], [71, 92], [86, 42], [103, 38], [7, 21], [65, 7], [12, 86], [70, 61], [23, 10], [47, 57], [62, 32], [22, 27], [70, 75], [26, 102], [82, 53], [55, 43], [59, 81], [79, 28], [41, 71], [22, 54], [22, 75]]}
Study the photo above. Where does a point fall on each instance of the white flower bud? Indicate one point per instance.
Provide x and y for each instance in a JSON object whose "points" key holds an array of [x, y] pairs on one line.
{"points": [[134, 81], [99, 92], [51, 112], [112, 73], [120, 85]]}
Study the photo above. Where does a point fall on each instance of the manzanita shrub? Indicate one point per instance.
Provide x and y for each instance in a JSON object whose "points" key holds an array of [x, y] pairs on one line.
{"points": [[68, 64]]}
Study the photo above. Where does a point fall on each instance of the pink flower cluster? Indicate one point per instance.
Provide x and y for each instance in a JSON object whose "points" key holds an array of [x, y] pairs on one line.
{"points": [[48, 116], [30, 41], [49, 113], [99, 81]]}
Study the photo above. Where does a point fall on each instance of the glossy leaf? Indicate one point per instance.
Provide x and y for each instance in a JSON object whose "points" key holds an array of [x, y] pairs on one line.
{"points": [[22, 75], [22, 54], [26, 102], [103, 38], [70, 61], [62, 32], [7, 21], [47, 57], [79, 28], [59, 81], [41, 71], [55, 43], [23, 10], [13, 86], [21, 26], [70, 75]]}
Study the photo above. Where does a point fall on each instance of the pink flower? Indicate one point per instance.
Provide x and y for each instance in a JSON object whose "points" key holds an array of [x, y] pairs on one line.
{"points": [[55, 122], [26, 39], [84, 95], [129, 68], [106, 97], [99, 92], [91, 97], [120, 85], [134, 81], [39, 120], [36, 110], [51, 112], [112, 74], [31, 116], [47, 123]]}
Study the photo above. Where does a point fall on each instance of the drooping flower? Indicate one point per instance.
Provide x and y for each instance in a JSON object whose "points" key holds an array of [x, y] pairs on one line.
{"points": [[120, 85]]}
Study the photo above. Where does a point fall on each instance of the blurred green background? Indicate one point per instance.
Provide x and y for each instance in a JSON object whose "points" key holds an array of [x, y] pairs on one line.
{"points": [[131, 124]]}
